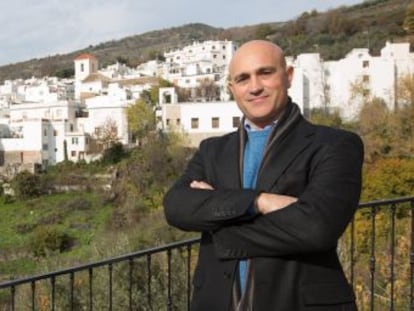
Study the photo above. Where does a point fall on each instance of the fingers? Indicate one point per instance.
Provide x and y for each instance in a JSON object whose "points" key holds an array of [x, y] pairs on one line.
{"points": [[195, 184]]}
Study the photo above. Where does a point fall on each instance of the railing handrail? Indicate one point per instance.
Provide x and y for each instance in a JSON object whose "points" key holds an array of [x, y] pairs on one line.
{"points": [[385, 202], [150, 251], [104, 262]]}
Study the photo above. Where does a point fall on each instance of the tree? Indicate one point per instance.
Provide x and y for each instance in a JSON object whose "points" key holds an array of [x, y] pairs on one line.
{"points": [[141, 120], [323, 117], [262, 31], [403, 117], [208, 90], [374, 130], [408, 23], [108, 134]]}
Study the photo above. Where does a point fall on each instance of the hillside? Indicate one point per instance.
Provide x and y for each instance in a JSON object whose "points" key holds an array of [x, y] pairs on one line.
{"points": [[333, 33]]}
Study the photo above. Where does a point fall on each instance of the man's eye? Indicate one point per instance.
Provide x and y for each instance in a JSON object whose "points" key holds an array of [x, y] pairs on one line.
{"points": [[240, 79], [267, 72]]}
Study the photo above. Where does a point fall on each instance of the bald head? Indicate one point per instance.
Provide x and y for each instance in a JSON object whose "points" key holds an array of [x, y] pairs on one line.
{"points": [[256, 47]]}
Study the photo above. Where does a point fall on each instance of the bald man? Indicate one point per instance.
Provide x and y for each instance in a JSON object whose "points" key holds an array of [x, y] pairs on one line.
{"points": [[270, 200]]}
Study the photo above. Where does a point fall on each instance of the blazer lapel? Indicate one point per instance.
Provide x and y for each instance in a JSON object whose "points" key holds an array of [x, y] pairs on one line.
{"points": [[281, 154], [228, 166]]}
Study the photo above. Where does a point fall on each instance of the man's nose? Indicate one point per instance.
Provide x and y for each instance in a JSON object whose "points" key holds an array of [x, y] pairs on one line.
{"points": [[255, 85]]}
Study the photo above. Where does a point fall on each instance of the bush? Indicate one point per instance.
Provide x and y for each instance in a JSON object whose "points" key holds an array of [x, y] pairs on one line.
{"points": [[114, 154], [49, 239], [26, 185]]}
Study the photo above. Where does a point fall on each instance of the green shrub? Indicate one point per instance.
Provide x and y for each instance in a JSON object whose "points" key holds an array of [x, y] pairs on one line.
{"points": [[50, 239], [26, 185]]}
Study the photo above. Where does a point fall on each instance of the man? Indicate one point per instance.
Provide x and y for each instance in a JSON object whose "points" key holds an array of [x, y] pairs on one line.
{"points": [[271, 200]]}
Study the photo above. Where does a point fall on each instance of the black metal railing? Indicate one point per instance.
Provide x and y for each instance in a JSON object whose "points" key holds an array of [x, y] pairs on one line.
{"points": [[377, 252]]}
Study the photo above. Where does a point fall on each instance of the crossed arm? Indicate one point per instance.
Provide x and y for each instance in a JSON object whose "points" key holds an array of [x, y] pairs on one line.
{"points": [[265, 202]]}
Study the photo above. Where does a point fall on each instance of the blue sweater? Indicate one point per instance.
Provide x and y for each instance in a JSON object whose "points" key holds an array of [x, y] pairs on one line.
{"points": [[253, 153]]}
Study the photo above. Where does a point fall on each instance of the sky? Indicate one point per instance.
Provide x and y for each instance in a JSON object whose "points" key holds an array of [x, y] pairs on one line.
{"points": [[35, 29]]}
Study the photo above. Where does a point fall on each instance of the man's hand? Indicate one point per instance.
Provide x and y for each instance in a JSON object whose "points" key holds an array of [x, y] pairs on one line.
{"points": [[201, 185], [269, 202], [266, 202]]}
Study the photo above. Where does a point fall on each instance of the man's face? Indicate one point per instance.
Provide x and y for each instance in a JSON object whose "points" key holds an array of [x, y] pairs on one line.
{"points": [[259, 81]]}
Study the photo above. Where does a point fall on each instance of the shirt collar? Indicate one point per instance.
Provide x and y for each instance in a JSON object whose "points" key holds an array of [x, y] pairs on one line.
{"points": [[248, 126]]}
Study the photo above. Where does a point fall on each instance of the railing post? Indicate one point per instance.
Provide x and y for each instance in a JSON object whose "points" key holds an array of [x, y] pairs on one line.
{"points": [[352, 250], [33, 286], [412, 258], [169, 298], [110, 268], [372, 257], [188, 276], [53, 284], [13, 294], [392, 262], [131, 269], [90, 276], [72, 281], [149, 279]]}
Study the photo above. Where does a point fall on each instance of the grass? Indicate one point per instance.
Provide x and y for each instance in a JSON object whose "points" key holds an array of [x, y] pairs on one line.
{"points": [[82, 216]]}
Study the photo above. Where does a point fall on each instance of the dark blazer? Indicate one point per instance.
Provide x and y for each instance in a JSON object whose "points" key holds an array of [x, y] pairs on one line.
{"points": [[292, 250]]}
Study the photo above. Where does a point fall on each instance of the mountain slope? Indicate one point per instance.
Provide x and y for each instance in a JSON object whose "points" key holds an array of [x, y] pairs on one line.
{"points": [[333, 33]]}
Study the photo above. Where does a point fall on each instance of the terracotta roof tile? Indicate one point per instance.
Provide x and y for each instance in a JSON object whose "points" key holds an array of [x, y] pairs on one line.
{"points": [[85, 56]]}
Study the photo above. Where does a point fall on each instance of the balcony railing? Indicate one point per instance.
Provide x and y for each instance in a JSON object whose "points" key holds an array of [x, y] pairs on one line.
{"points": [[377, 252]]}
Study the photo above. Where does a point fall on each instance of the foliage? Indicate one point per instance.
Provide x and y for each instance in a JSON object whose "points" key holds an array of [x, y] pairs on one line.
{"points": [[324, 117], [388, 178], [263, 31], [377, 137], [144, 177], [26, 185], [49, 238], [409, 18], [108, 133], [141, 119], [113, 154]]}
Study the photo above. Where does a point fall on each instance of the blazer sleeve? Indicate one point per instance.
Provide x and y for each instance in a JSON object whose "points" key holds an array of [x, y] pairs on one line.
{"points": [[205, 210], [316, 221]]}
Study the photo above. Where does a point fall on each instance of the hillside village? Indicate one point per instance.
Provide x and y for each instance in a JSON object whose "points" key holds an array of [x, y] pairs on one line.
{"points": [[44, 121]]}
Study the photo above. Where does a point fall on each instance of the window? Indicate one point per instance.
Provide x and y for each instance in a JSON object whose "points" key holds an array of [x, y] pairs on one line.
{"points": [[178, 122], [55, 133], [82, 68], [73, 153], [167, 122], [45, 147], [365, 78], [365, 64], [71, 127], [75, 140], [236, 121], [215, 122], [44, 132], [194, 123]]}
